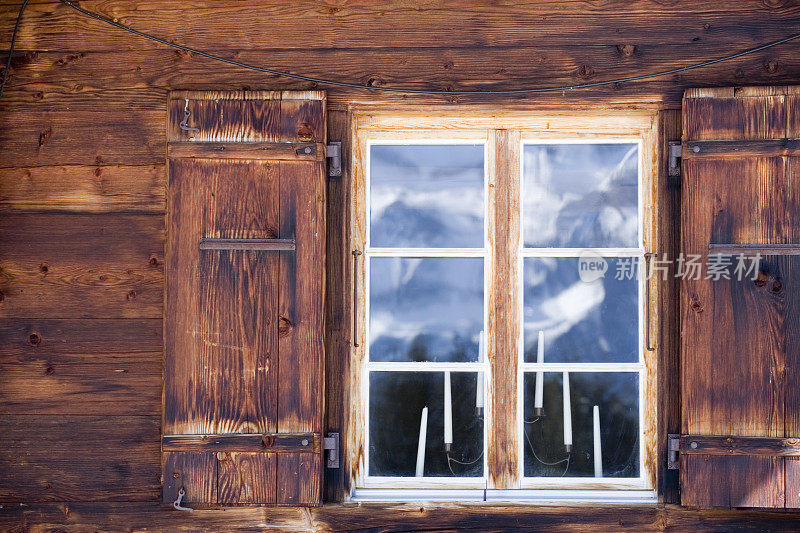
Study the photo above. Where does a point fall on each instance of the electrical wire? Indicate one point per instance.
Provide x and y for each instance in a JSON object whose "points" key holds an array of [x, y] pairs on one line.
{"points": [[11, 48], [323, 81]]}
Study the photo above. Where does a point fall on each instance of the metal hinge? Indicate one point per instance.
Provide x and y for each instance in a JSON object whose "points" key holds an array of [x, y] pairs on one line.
{"points": [[334, 155], [674, 165], [331, 443], [673, 446]]}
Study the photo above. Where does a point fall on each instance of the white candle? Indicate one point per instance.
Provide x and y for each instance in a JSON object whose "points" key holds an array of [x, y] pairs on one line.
{"points": [[448, 413], [598, 452], [538, 399], [567, 415], [479, 378], [423, 431]]}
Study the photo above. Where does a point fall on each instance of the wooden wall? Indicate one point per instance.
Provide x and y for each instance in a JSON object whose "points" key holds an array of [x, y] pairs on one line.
{"points": [[82, 196]]}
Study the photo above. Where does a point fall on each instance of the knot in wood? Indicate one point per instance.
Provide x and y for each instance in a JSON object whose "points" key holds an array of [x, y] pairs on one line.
{"points": [[34, 339]]}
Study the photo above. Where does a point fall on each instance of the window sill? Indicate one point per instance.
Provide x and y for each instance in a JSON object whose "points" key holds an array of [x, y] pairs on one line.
{"points": [[519, 496]]}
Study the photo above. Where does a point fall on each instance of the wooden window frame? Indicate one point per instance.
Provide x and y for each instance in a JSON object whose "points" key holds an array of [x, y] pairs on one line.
{"points": [[504, 134]]}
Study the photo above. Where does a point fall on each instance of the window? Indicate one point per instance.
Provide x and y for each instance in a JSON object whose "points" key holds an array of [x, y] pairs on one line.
{"points": [[501, 315]]}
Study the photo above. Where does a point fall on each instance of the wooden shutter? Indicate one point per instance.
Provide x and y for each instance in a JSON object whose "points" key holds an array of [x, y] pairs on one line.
{"points": [[740, 377], [243, 387]]}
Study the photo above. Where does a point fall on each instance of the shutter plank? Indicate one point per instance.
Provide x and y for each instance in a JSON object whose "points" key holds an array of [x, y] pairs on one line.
{"points": [[302, 291], [246, 478], [299, 479], [196, 473]]}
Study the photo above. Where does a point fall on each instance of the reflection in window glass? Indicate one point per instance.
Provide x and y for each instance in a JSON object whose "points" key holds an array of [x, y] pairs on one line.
{"points": [[582, 321], [426, 196], [616, 396], [580, 195], [425, 309], [398, 401]]}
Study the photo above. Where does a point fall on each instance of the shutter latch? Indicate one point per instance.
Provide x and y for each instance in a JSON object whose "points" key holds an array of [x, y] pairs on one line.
{"points": [[331, 443], [673, 446], [334, 154], [674, 165]]}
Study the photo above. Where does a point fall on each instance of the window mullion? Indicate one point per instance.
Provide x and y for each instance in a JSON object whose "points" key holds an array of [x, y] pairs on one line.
{"points": [[503, 321]]}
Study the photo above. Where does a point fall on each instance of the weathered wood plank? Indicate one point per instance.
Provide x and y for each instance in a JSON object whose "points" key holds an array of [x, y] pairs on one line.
{"points": [[710, 481], [718, 119], [247, 478], [113, 135], [108, 341], [79, 458], [249, 150], [338, 299], [51, 80], [301, 25], [137, 516], [81, 266], [80, 389], [730, 445], [226, 313], [745, 148], [301, 298], [502, 338], [299, 477], [194, 473], [239, 442], [668, 242], [84, 189]]}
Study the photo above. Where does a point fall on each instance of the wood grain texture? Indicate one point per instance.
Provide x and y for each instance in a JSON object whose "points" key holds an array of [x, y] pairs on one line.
{"points": [[138, 516], [81, 266], [743, 330], [248, 150], [299, 479], [73, 458], [301, 298], [242, 442], [667, 242], [368, 25], [53, 389], [503, 334], [246, 478], [244, 327], [222, 327], [107, 341], [54, 80], [195, 473], [718, 481], [728, 445], [84, 189], [338, 301]]}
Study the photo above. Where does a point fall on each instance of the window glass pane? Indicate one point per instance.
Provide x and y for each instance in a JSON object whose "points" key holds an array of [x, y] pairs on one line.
{"points": [[428, 196], [616, 396], [396, 403], [580, 195], [581, 321], [425, 309]]}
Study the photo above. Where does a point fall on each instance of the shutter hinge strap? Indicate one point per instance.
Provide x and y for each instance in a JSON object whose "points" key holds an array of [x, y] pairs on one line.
{"points": [[674, 165], [673, 446], [331, 443], [334, 153]]}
